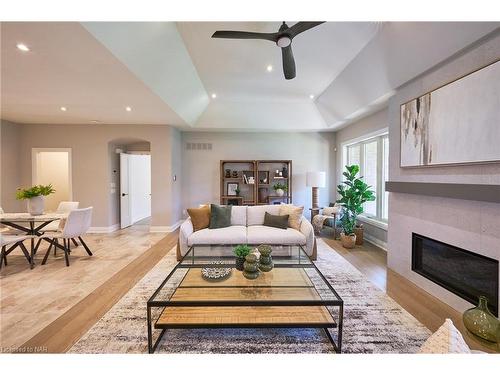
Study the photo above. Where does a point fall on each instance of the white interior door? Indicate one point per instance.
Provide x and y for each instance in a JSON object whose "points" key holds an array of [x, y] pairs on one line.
{"points": [[140, 186], [125, 207]]}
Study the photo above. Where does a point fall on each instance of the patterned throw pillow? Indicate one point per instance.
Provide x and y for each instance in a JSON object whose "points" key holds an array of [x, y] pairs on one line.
{"points": [[446, 340], [200, 217], [294, 214]]}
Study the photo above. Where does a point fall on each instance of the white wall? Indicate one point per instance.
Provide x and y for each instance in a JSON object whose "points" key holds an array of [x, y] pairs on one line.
{"points": [[52, 167], [308, 152], [471, 225]]}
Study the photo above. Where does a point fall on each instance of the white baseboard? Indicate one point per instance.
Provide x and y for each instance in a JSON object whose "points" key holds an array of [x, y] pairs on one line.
{"points": [[375, 241], [109, 229], [165, 229]]}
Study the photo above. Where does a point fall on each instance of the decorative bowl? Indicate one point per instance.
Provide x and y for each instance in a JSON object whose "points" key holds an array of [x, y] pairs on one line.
{"points": [[215, 273]]}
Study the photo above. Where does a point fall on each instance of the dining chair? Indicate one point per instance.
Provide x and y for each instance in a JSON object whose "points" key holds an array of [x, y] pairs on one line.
{"points": [[76, 225], [57, 225], [7, 231], [15, 241]]}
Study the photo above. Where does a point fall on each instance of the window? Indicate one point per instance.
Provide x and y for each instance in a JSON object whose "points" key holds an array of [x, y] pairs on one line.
{"points": [[372, 156]]}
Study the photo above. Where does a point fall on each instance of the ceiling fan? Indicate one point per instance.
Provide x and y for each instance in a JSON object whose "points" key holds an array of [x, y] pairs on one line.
{"points": [[282, 38]]}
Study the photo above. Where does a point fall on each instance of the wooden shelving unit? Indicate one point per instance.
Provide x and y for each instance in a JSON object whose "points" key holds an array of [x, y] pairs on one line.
{"points": [[265, 174]]}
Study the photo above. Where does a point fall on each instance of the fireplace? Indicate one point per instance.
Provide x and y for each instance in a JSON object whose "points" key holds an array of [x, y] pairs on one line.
{"points": [[464, 273]]}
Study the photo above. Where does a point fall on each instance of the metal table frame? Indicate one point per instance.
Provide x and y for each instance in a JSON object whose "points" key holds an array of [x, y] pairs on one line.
{"points": [[338, 323]]}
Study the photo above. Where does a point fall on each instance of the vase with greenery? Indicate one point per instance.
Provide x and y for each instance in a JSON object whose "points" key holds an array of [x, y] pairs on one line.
{"points": [[280, 189], [36, 197], [241, 251], [353, 192]]}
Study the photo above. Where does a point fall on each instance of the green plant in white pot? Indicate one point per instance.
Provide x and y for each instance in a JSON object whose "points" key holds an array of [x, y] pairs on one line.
{"points": [[280, 189], [354, 192], [36, 197]]}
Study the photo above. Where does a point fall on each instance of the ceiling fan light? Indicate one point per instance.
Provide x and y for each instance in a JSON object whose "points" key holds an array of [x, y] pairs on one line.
{"points": [[284, 41]]}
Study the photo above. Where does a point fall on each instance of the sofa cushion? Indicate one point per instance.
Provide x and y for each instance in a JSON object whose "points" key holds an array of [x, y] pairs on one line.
{"points": [[239, 215], [255, 214], [220, 216], [234, 235], [200, 217], [295, 214], [260, 234], [276, 221]]}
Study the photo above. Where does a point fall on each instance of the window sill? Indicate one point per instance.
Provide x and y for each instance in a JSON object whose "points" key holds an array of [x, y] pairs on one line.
{"points": [[376, 223]]}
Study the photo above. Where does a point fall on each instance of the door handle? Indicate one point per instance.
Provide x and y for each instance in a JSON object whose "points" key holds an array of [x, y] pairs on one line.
{"points": [[123, 194]]}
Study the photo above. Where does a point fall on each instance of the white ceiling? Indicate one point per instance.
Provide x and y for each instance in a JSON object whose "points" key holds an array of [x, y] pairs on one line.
{"points": [[167, 71]]}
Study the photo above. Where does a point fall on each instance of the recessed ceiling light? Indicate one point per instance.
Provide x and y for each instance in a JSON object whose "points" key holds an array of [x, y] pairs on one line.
{"points": [[214, 95], [269, 68], [22, 47], [128, 109], [311, 96], [64, 109]]}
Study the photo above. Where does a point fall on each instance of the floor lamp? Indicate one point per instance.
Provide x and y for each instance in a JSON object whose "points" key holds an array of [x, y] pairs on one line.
{"points": [[315, 180]]}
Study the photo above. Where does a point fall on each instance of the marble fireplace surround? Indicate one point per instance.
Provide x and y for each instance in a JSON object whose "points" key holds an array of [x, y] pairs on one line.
{"points": [[471, 225]]}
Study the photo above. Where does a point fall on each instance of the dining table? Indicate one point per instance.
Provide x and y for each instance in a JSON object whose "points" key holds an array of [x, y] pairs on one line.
{"points": [[32, 225]]}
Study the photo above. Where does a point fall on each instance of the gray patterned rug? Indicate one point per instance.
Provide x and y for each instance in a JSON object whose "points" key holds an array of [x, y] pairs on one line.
{"points": [[373, 322]]}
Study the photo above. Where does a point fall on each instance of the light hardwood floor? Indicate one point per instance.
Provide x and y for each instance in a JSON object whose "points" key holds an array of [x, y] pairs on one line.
{"points": [[31, 300]]}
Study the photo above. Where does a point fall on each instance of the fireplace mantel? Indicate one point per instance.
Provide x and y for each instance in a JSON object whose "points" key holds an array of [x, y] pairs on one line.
{"points": [[473, 192]]}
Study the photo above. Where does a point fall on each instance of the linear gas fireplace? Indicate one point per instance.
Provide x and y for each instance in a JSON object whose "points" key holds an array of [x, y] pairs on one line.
{"points": [[462, 272]]}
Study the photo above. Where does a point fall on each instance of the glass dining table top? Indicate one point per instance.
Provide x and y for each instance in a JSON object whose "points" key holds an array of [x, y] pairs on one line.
{"points": [[25, 216]]}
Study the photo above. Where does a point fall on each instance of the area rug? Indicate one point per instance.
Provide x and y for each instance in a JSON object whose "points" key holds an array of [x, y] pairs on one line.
{"points": [[373, 322]]}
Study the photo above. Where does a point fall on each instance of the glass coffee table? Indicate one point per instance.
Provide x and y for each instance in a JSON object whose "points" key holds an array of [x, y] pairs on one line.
{"points": [[294, 294]]}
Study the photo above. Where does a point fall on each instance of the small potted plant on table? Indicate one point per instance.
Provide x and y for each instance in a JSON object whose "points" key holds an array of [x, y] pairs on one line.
{"points": [[36, 197], [241, 251], [354, 192], [280, 189]]}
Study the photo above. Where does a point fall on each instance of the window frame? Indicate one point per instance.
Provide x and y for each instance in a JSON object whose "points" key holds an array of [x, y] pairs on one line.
{"points": [[379, 135]]}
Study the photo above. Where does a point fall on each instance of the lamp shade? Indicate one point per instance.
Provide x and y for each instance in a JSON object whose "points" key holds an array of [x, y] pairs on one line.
{"points": [[316, 179]]}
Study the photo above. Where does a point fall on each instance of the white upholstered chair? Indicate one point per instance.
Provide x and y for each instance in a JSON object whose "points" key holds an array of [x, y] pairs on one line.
{"points": [[14, 241], [64, 207], [75, 226]]}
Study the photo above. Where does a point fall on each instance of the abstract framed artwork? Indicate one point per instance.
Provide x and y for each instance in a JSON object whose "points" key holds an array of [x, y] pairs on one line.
{"points": [[458, 123]]}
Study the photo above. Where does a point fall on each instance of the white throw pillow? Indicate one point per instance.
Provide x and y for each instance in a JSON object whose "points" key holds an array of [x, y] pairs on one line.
{"points": [[446, 340]]}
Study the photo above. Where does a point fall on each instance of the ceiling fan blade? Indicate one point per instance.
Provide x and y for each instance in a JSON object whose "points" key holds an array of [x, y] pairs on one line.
{"points": [[300, 27], [273, 37], [288, 62]]}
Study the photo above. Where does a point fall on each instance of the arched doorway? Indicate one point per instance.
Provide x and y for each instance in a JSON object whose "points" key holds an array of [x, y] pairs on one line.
{"points": [[131, 182]]}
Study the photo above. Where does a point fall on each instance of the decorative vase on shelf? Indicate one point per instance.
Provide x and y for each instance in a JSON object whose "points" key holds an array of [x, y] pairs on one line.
{"points": [[284, 172], [228, 173], [280, 192], [481, 322], [36, 205]]}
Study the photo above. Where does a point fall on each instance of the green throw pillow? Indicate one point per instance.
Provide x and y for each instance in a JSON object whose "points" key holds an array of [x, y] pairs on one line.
{"points": [[220, 216], [276, 221]]}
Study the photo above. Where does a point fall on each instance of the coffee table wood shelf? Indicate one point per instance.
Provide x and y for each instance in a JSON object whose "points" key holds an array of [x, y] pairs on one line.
{"points": [[295, 294]]}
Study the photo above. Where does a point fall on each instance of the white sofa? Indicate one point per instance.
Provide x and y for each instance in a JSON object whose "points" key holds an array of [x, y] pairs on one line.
{"points": [[247, 228]]}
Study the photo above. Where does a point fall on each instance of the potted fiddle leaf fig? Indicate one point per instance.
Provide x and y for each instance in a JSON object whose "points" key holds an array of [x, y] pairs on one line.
{"points": [[241, 251], [36, 197], [353, 192]]}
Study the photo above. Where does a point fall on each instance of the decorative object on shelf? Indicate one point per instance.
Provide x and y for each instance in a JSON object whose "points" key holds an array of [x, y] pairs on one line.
{"points": [[284, 172], [262, 195], [232, 187], [265, 260], [251, 267], [228, 173], [36, 197], [463, 113], [241, 251], [481, 322], [277, 174], [354, 192], [237, 191], [315, 180], [251, 180], [358, 231], [235, 174], [280, 189], [215, 273]]}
